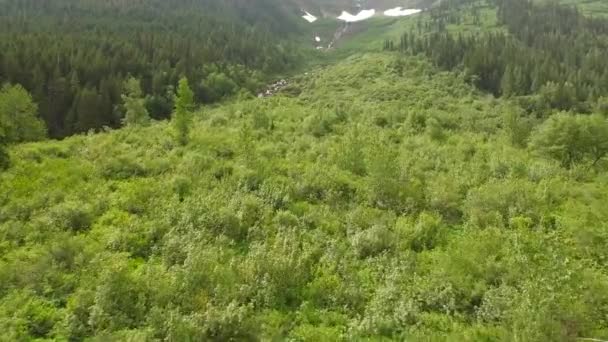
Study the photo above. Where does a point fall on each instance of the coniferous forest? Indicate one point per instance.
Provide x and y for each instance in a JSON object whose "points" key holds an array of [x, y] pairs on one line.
{"points": [[73, 56], [543, 49], [441, 176]]}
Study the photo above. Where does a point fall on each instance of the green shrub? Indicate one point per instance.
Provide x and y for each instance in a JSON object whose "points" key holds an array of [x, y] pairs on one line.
{"points": [[373, 241], [123, 167], [426, 233], [572, 138], [23, 315], [182, 187], [72, 215]]}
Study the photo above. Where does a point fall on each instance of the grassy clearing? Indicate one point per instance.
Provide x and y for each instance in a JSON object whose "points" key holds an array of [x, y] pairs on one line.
{"points": [[594, 8]]}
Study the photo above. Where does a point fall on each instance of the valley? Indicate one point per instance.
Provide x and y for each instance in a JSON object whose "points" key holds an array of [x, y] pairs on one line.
{"points": [[167, 175]]}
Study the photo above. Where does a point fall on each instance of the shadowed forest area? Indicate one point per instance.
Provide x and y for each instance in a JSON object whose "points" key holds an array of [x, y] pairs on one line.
{"points": [[74, 56]]}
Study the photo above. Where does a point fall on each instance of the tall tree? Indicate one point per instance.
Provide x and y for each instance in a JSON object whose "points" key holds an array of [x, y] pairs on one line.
{"points": [[182, 115], [19, 115], [134, 103]]}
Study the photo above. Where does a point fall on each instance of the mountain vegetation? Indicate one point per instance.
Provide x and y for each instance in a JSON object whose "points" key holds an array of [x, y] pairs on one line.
{"points": [[549, 56], [392, 194], [74, 56]]}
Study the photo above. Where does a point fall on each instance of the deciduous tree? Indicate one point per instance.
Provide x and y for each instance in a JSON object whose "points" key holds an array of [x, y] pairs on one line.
{"points": [[19, 115]]}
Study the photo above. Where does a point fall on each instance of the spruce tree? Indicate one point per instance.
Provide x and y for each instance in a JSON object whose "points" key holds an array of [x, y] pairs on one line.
{"points": [[182, 115]]}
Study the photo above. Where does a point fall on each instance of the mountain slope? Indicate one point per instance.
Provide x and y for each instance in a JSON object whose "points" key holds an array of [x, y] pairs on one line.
{"points": [[380, 195], [376, 197]]}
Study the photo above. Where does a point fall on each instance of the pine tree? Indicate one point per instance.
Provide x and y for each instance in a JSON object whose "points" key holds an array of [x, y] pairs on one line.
{"points": [[182, 115]]}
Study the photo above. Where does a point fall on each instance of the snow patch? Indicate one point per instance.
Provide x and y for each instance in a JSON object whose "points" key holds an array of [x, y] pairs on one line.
{"points": [[401, 12], [309, 17], [363, 15]]}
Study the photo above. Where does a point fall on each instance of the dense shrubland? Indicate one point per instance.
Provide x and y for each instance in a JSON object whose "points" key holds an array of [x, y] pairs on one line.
{"points": [[388, 200]]}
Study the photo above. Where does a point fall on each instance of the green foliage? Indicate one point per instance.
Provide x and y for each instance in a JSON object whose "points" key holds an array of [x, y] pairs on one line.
{"points": [[134, 104], [71, 216], [517, 127], [523, 54], [182, 115], [119, 300], [19, 116], [374, 205], [372, 241], [351, 154], [218, 86], [385, 178], [426, 233], [182, 187], [602, 106], [76, 74], [4, 157], [25, 315], [571, 139]]}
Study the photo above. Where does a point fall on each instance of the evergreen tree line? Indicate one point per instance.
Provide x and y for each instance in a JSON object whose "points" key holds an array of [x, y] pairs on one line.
{"points": [[75, 56], [549, 49]]}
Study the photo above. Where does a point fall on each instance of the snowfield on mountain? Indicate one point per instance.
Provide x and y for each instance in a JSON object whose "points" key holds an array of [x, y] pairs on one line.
{"points": [[401, 12]]}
